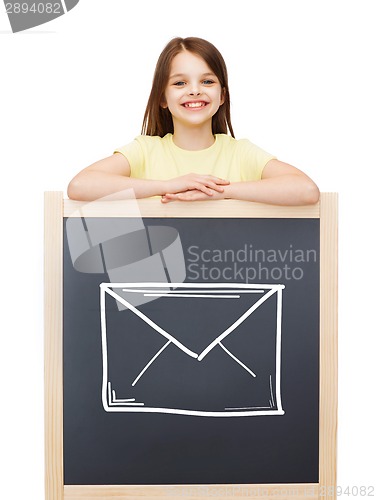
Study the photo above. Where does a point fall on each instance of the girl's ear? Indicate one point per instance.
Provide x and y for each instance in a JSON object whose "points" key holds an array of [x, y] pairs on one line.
{"points": [[223, 96], [163, 103]]}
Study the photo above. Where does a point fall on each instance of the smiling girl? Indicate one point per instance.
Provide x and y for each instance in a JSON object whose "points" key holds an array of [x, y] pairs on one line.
{"points": [[187, 150]]}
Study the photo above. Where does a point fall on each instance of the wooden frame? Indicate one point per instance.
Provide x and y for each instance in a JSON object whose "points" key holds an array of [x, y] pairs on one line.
{"points": [[55, 210]]}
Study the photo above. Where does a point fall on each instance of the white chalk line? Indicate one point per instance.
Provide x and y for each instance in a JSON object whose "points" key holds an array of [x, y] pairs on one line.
{"points": [[236, 324], [172, 292], [120, 400], [247, 408], [149, 363], [271, 390], [174, 295], [237, 360], [151, 323], [112, 401]]}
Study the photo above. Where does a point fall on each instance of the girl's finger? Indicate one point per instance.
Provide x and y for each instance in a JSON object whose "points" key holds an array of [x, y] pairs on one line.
{"points": [[215, 187], [205, 189], [218, 180]]}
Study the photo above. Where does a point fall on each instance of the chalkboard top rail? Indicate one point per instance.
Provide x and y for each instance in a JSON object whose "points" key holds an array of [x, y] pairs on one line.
{"points": [[152, 207]]}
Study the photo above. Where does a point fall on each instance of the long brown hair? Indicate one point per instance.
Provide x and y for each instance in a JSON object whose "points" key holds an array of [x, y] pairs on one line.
{"points": [[158, 120]]}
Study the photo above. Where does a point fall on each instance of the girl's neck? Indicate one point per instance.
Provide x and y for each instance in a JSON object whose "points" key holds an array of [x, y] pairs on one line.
{"points": [[193, 139]]}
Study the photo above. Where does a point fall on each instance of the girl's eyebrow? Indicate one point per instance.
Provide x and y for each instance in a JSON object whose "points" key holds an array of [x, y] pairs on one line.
{"points": [[182, 75]]}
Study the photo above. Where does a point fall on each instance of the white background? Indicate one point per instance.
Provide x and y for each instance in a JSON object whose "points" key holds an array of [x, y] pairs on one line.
{"points": [[302, 81]]}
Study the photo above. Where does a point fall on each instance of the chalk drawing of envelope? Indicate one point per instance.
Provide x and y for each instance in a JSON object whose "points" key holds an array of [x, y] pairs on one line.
{"points": [[198, 349]]}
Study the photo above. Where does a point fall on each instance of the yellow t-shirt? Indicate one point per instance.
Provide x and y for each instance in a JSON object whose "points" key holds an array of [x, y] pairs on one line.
{"points": [[158, 158]]}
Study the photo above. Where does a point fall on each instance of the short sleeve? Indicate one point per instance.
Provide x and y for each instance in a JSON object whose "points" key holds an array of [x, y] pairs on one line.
{"points": [[252, 160], [134, 154]]}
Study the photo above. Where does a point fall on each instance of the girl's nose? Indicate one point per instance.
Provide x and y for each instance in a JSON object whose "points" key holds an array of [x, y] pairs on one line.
{"points": [[194, 89]]}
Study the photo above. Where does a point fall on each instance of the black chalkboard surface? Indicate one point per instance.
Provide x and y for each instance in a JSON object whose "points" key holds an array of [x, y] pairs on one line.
{"points": [[213, 380]]}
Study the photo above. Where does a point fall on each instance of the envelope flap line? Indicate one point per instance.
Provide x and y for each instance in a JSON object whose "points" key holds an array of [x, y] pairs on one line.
{"points": [[238, 322], [151, 323]]}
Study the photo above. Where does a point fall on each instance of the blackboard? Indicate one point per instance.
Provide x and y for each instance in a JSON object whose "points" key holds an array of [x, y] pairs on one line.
{"points": [[206, 374]]}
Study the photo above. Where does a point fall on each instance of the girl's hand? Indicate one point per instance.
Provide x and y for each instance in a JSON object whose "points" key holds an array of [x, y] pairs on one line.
{"points": [[207, 184], [191, 195]]}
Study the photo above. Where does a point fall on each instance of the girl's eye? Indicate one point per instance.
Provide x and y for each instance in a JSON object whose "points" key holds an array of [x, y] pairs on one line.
{"points": [[208, 82], [179, 84]]}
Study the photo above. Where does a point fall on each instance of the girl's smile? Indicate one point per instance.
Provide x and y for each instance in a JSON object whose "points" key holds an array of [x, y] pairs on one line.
{"points": [[195, 105]]}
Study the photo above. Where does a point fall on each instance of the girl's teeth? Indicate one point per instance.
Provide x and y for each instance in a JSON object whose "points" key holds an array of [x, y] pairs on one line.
{"points": [[194, 104]]}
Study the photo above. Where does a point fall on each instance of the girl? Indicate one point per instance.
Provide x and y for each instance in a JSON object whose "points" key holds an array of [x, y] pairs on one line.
{"points": [[185, 152]]}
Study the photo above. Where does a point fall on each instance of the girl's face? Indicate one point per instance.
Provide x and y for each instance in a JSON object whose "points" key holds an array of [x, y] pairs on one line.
{"points": [[193, 93]]}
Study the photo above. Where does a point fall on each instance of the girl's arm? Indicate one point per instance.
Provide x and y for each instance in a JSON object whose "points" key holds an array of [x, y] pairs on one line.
{"points": [[105, 177], [281, 184], [112, 175]]}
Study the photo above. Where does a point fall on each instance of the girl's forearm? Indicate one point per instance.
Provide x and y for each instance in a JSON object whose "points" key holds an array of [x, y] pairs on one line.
{"points": [[282, 190], [93, 185]]}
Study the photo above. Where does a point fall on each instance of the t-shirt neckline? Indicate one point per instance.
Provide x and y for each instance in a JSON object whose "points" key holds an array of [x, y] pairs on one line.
{"points": [[188, 151]]}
